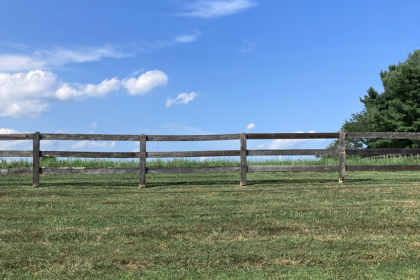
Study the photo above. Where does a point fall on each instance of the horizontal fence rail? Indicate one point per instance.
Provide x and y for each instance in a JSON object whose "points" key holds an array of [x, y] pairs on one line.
{"points": [[255, 136], [292, 152], [16, 136], [243, 153], [384, 135]]}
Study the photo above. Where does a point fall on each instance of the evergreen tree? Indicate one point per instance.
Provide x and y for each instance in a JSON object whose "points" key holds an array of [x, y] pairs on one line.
{"points": [[397, 109]]}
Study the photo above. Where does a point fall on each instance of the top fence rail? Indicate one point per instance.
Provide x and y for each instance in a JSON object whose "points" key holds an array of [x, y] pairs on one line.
{"points": [[26, 136], [215, 137], [384, 135]]}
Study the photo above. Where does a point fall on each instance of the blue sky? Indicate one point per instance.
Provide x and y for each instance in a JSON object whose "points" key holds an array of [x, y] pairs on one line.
{"points": [[194, 67]]}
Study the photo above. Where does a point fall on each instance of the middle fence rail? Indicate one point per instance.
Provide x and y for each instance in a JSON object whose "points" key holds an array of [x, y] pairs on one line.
{"points": [[243, 153]]}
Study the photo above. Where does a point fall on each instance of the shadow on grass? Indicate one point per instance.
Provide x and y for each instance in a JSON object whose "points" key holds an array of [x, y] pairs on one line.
{"points": [[212, 180], [234, 183]]}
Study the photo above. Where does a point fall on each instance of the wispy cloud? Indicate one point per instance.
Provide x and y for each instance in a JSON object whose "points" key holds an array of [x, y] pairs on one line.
{"points": [[47, 59], [247, 47], [18, 63], [94, 125], [135, 73], [188, 37], [152, 46], [62, 56], [217, 8], [250, 126], [176, 128], [92, 144], [182, 98]]}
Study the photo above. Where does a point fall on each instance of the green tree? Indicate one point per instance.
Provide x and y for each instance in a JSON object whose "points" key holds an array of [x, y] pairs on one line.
{"points": [[357, 123], [397, 109]]}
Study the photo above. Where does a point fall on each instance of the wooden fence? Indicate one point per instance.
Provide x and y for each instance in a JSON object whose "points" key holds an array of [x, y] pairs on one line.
{"points": [[36, 154]]}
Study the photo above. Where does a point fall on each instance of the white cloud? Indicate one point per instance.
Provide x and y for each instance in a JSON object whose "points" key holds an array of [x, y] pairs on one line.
{"points": [[182, 98], [29, 94], [78, 91], [94, 125], [146, 82], [26, 94], [217, 8], [8, 145], [250, 126], [288, 143], [247, 47], [92, 144], [8, 131]]}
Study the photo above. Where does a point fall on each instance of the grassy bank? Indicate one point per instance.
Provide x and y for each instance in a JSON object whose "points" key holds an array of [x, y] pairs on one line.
{"points": [[195, 226], [185, 162]]}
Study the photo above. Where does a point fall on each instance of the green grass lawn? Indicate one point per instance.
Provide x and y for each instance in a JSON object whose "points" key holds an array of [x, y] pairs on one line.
{"points": [[280, 226]]}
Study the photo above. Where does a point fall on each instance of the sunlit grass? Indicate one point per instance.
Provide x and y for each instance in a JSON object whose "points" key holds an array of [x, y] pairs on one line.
{"points": [[207, 226]]}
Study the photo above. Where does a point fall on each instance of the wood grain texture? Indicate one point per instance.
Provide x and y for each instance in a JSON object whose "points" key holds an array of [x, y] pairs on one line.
{"points": [[92, 137], [243, 159], [54, 170], [342, 156], [185, 170], [35, 159], [293, 152], [293, 135], [215, 137], [111, 137], [11, 153], [226, 153], [293, 168], [89, 154], [383, 168], [142, 178], [384, 135], [23, 136], [15, 171], [394, 151]]}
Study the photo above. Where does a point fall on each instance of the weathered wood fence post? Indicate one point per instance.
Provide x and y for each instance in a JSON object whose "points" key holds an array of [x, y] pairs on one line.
{"points": [[142, 183], [342, 156], [35, 160], [244, 166]]}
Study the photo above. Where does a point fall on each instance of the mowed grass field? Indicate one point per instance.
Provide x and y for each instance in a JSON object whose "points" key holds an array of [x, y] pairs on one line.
{"points": [[206, 226]]}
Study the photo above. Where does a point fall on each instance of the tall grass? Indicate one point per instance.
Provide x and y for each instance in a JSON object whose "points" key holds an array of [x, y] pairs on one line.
{"points": [[192, 162]]}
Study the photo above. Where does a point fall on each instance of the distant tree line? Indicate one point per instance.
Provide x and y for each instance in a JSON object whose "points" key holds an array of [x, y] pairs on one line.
{"points": [[396, 109]]}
